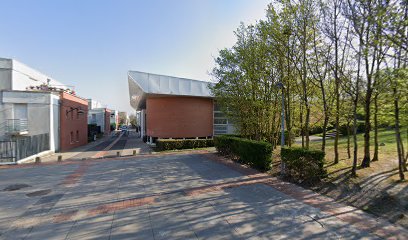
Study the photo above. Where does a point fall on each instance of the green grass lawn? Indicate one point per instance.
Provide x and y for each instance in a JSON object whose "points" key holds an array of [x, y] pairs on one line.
{"points": [[376, 189], [385, 136]]}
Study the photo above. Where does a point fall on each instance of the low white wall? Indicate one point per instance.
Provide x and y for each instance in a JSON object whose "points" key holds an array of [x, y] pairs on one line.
{"points": [[32, 158]]}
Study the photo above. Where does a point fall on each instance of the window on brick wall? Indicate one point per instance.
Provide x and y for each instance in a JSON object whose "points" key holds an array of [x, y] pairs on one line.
{"points": [[77, 136], [71, 139]]}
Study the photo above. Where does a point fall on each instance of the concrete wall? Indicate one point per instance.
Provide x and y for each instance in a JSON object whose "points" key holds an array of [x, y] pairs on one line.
{"points": [[6, 112], [55, 122], [5, 79], [41, 109], [179, 117], [38, 106], [73, 126]]}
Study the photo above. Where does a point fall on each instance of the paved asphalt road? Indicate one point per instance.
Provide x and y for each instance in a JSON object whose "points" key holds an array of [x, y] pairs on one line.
{"points": [[184, 196]]}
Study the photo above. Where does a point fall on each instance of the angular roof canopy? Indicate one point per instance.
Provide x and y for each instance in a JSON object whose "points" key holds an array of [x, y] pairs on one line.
{"points": [[143, 84]]}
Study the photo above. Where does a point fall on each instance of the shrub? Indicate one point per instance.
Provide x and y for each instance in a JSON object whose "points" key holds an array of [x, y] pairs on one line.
{"points": [[254, 153], [315, 130], [172, 144], [292, 138], [360, 128], [303, 165]]}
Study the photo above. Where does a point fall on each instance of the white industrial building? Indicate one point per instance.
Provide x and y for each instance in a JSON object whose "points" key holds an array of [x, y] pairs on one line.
{"points": [[26, 110]]}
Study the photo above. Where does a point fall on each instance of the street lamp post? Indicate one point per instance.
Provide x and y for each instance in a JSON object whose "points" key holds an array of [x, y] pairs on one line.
{"points": [[282, 87]]}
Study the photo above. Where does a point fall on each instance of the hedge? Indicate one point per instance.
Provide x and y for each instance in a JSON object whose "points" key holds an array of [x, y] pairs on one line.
{"points": [[303, 165], [254, 153], [172, 144]]}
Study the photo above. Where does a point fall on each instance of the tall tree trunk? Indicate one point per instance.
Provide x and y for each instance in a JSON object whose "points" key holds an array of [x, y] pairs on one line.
{"points": [[325, 122], [304, 83], [288, 109], [355, 105], [348, 139], [375, 157], [288, 112], [336, 137], [307, 124], [337, 88], [355, 149], [366, 159], [301, 125], [398, 136], [405, 167]]}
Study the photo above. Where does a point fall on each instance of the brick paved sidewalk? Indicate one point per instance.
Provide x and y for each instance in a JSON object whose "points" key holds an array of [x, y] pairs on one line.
{"points": [[349, 214], [171, 196]]}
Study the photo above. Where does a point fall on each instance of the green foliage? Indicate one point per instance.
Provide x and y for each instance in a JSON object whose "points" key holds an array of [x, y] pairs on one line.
{"points": [[292, 138], [254, 153], [338, 61], [394, 78], [173, 144], [304, 165], [360, 128], [132, 120]]}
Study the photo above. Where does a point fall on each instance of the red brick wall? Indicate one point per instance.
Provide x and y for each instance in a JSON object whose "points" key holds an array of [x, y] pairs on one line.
{"points": [[73, 126], [179, 117]]}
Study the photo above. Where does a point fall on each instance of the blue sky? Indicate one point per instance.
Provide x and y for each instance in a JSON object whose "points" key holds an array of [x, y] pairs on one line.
{"points": [[91, 44]]}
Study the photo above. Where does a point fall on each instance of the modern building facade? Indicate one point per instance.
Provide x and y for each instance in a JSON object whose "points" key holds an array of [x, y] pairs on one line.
{"points": [[172, 107]]}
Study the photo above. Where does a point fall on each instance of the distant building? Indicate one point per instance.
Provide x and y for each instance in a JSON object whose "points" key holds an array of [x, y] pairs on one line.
{"points": [[30, 112], [172, 107], [99, 115], [114, 119]]}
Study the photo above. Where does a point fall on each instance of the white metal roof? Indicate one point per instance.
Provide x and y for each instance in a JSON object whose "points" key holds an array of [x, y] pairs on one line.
{"points": [[142, 84]]}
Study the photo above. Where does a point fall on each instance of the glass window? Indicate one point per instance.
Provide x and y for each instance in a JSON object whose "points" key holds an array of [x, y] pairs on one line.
{"points": [[219, 115], [220, 128], [220, 121], [217, 132]]}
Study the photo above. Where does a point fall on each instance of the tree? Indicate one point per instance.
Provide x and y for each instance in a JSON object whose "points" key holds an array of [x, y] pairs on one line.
{"points": [[330, 55], [132, 120]]}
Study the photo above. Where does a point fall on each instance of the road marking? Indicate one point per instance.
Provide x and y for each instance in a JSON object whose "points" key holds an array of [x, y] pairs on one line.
{"points": [[106, 149]]}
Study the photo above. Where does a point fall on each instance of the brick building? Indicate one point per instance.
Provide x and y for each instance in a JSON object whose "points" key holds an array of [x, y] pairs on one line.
{"points": [[73, 121], [171, 107]]}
